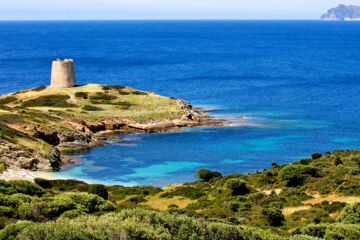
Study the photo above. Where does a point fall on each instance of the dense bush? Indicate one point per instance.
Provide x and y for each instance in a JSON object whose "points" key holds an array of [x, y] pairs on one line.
{"points": [[304, 237], [102, 96], [138, 224], [91, 108], [71, 214], [100, 190], [317, 230], [10, 232], [26, 187], [237, 186], [44, 183], [113, 87], [207, 174], [350, 214], [343, 232], [83, 95], [296, 174], [274, 216], [316, 155]]}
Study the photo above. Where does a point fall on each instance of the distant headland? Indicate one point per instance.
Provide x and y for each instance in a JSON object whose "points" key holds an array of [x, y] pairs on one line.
{"points": [[342, 13]]}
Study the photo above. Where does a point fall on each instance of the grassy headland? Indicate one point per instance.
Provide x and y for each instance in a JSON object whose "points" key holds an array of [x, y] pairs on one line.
{"points": [[36, 123]]}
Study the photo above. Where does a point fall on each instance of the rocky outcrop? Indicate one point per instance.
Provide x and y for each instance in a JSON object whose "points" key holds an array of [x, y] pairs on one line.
{"points": [[32, 138], [16, 155], [342, 13], [190, 118]]}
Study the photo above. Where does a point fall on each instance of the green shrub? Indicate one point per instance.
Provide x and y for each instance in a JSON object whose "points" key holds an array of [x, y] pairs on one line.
{"points": [[44, 183], [234, 206], [350, 214], [7, 100], [100, 190], [26, 187], [304, 237], [91, 108], [44, 209], [136, 199], [342, 232], [71, 214], [83, 95], [112, 87], [3, 166], [237, 186], [102, 96], [55, 231], [5, 211], [139, 93], [39, 89], [357, 160], [90, 202], [49, 101], [274, 216], [316, 155], [10, 232], [296, 174], [207, 174], [317, 230], [274, 165]]}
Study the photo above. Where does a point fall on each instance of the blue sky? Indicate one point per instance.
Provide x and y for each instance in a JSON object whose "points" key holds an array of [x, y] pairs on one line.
{"points": [[166, 9]]}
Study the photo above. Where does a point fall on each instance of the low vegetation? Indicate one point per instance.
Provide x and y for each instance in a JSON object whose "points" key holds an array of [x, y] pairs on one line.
{"points": [[262, 205]]}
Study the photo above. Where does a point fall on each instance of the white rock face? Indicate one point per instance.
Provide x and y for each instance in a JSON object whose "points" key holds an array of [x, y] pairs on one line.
{"points": [[63, 74]]}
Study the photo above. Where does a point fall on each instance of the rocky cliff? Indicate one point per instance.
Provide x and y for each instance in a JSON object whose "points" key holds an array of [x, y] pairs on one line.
{"points": [[343, 13]]}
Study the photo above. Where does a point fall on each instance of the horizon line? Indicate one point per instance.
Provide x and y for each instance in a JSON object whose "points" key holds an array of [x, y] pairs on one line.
{"points": [[170, 19]]}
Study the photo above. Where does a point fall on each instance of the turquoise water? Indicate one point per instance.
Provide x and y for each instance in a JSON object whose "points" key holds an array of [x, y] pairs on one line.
{"points": [[296, 81]]}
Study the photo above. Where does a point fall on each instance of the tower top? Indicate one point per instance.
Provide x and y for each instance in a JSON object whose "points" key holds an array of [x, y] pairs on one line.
{"points": [[63, 74]]}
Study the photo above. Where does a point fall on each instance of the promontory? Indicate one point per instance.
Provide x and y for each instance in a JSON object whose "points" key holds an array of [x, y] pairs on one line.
{"points": [[342, 13]]}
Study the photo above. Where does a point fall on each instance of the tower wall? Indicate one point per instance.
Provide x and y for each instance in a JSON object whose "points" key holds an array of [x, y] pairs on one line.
{"points": [[63, 74]]}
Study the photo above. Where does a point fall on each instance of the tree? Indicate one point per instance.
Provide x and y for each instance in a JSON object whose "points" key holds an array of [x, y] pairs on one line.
{"points": [[274, 216], [237, 186], [207, 174], [274, 165], [100, 190], [296, 174], [316, 155]]}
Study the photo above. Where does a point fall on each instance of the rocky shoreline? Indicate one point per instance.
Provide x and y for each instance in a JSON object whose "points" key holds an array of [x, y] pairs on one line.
{"points": [[82, 134]]}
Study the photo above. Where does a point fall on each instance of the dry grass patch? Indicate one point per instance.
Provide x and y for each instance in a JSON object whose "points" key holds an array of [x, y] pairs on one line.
{"points": [[164, 203], [317, 198], [290, 210]]}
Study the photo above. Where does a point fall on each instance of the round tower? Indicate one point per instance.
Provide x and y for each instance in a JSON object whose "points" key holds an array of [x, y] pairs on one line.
{"points": [[63, 74]]}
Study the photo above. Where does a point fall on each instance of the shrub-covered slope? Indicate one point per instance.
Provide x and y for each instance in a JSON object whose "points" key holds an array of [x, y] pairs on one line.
{"points": [[315, 198]]}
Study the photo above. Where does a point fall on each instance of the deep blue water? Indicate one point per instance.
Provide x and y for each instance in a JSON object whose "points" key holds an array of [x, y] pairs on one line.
{"points": [[297, 81]]}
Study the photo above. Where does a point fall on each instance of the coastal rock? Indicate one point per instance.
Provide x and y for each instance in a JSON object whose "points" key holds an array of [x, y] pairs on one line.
{"points": [[22, 157], [36, 123], [342, 13]]}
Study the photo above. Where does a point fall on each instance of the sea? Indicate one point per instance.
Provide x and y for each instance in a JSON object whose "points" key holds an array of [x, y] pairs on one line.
{"points": [[297, 83]]}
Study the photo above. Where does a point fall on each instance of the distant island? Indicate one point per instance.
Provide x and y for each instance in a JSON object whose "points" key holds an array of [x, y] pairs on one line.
{"points": [[342, 13]]}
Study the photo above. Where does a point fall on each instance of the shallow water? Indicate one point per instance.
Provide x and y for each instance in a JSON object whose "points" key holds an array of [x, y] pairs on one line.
{"points": [[297, 81]]}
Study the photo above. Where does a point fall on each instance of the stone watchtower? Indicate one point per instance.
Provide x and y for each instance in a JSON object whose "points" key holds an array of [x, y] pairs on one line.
{"points": [[63, 74]]}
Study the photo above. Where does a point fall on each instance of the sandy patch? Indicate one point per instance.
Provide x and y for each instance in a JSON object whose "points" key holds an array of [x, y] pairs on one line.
{"points": [[22, 174]]}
